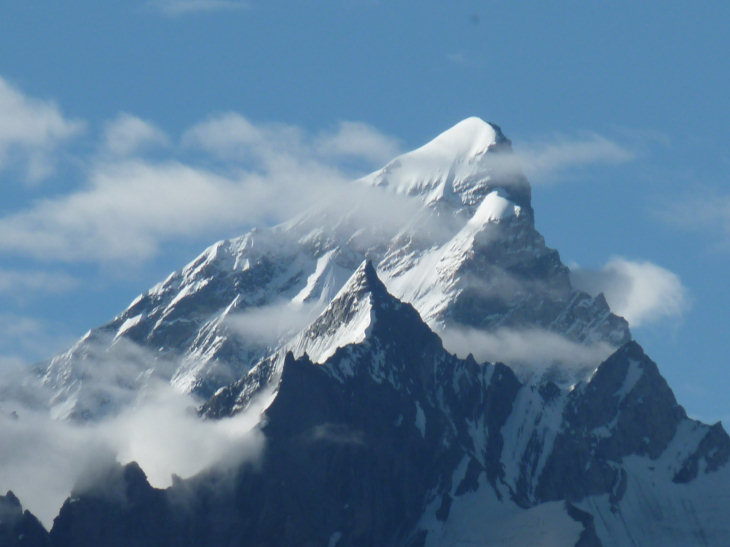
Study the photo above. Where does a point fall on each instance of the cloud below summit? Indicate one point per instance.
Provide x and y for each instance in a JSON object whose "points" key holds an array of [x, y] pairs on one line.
{"points": [[528, 351], [640, 291]]}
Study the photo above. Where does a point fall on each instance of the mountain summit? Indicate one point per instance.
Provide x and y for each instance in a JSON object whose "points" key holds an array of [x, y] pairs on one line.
{"points": [[461, 166]]}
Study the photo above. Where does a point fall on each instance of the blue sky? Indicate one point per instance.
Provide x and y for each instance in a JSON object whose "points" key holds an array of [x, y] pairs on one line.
{"points": [[619, 111]]}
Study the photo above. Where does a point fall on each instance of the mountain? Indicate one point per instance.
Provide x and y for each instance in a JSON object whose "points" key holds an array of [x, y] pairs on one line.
{"points": [[338, 327], [391, 440], [449, 229]]}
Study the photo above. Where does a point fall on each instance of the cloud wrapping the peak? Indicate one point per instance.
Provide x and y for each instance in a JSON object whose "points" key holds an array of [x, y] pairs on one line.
{"points": [[564, 153], [255, 174], [31, 131], [543, 160], [640, 291]]}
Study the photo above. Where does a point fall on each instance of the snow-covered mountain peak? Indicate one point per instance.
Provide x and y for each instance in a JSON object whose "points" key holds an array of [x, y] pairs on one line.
{"points": [[457, 168], [467, 140], [363, 280], [346, 320]]}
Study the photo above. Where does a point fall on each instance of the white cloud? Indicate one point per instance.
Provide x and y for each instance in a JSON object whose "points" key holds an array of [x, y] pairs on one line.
{"points": [[231, 136], [130, 208], [23, 336], [542, 160], [358, 140], [182, 7], [548, 158], [234, 137], [528, 351], [127, 134], [267, 324], [639, 291], [707, 210], [31, 130], [44, 459], [19, 282]]}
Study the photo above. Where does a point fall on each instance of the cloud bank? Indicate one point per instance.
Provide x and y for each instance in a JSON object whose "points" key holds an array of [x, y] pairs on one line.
{"points": [[640, 291], [129, 206], [44, 459]]}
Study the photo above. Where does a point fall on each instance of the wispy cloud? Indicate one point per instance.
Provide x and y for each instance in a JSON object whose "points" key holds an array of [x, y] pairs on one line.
{"points": [[529, 351], [232, 136], [358, 140], [128, 209], [127, 134], [129, 206], [542, 160], [44, 459], [31, 131], [705, 210], [640, 291], [37, 281], [182, 7], [267, 324], [24, 336]]}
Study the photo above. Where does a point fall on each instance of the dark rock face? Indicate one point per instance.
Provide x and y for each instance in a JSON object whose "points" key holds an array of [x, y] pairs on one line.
{"points": [[626, 408], [348, 452], [122, 509], [19, 528]]}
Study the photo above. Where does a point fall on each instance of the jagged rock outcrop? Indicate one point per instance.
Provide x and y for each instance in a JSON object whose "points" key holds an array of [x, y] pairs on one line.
{"points": [[19, 528]]}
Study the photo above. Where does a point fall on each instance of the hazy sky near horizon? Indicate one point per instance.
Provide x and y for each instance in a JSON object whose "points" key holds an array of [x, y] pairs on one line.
{"points": [[134, 134]]}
